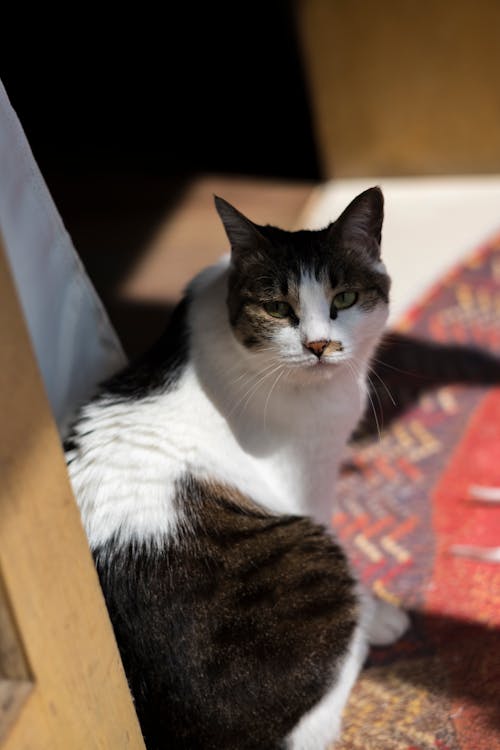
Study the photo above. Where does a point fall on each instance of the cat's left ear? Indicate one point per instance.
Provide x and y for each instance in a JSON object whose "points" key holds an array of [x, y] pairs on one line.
{"points": [[360, 224], [242, 233]]}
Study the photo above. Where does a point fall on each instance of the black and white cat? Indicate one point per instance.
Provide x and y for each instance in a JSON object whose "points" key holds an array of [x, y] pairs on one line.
{"points": [[205, 474]]}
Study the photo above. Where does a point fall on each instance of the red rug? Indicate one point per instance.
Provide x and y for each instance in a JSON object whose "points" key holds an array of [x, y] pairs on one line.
{"points": [[411, 500]]}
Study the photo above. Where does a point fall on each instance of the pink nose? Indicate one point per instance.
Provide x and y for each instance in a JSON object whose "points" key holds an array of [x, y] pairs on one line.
{"points": [[317, 347]]}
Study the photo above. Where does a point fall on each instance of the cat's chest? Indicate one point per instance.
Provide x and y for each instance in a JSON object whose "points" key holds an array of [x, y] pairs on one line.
{"points": [[303, 470], [132, 455], [289, 461]]}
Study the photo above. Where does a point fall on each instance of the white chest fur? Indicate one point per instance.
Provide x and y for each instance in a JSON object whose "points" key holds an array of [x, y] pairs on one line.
{"points": [[276, 440], [125, 470]]}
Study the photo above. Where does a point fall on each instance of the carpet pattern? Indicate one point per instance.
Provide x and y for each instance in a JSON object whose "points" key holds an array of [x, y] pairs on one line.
{"points": [[405, 500]]}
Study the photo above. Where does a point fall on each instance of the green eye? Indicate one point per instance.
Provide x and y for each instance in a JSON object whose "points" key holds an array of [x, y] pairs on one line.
{"points": [[278, 309], [344, 300]]}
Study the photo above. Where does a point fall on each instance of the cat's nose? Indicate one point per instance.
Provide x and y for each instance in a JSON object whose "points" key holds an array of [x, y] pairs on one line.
{"points": [[317, 347]]}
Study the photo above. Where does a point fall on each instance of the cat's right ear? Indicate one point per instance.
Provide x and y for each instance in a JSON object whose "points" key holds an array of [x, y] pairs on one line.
{"points": [[361, 222], [244, 236]]}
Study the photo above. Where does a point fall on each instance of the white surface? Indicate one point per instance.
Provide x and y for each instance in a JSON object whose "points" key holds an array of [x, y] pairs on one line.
{"points": [[73, 340], [430, 225]]}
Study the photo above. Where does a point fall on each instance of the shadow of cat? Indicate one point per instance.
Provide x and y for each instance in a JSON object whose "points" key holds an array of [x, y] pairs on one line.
{"points": [[405, 367], [447, 661]]}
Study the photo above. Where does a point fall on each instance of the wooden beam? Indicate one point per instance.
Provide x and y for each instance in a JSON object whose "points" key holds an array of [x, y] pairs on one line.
{"points": [[80, 697]]}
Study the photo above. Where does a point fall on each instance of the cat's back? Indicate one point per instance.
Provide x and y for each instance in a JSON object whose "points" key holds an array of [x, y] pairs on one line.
{"points": [[233, 633]]}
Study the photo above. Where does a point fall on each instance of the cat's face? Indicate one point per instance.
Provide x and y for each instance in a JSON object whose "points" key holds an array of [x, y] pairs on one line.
{"points": [[309, 300]]}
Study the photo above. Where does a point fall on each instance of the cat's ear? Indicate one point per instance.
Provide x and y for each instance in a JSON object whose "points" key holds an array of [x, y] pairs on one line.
{"points": [[242, 233], [360, 223]]}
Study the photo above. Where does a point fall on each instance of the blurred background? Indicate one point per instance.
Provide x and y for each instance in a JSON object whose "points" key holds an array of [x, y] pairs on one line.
{"points": [[137, 118]]}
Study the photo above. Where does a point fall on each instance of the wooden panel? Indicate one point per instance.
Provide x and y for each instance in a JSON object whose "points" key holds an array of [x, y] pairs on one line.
{"points": [[80, 698], [13, 694], [13, 663], [15, 678], [404, 86]]}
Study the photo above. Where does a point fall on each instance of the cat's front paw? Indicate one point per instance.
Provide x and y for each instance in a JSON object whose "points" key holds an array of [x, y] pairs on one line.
{"points": [[386, 624]]}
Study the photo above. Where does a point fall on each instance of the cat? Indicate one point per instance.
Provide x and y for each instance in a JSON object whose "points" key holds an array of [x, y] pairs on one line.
{"points": [[205, 475]]}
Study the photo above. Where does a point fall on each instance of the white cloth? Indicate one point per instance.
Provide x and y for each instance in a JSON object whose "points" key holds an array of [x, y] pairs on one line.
{"points": [[74, 342]]}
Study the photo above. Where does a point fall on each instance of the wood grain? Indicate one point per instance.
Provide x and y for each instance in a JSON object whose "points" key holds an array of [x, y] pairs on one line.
{"points": [[15, 679], [80, 697]]}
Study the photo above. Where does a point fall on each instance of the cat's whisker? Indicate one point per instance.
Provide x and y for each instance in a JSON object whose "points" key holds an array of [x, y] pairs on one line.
{"points": [[352, 364], [256, 387], [374, 372], [272, 368], [238, 366], [379, 424], [224, 371], [244, 375], [252, 375], [375, 391], [391, 367], [270, 392]]}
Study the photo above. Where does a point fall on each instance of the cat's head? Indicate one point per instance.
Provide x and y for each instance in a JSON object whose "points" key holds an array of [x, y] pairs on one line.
{"points": [[310, 300]]}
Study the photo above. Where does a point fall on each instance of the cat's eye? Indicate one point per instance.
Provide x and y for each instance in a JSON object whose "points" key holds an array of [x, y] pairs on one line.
{"points": [[344, 300], [278, 309]]}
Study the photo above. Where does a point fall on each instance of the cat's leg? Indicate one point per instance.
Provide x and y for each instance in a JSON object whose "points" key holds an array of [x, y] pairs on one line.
{"points": [[382, 622], [322, 725]]}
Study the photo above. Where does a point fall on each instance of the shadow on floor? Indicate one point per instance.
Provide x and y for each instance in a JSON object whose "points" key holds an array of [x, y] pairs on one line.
{"points": [[446, 656], [111, 218], [404, 368]]}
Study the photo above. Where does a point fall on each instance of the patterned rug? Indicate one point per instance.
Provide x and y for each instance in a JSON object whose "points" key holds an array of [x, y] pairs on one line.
{"points": [[417, 517]]}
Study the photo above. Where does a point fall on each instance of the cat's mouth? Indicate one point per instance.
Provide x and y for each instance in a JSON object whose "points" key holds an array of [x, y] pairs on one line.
{"points": [[318, 364], [326, 363], [315, 371]]}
